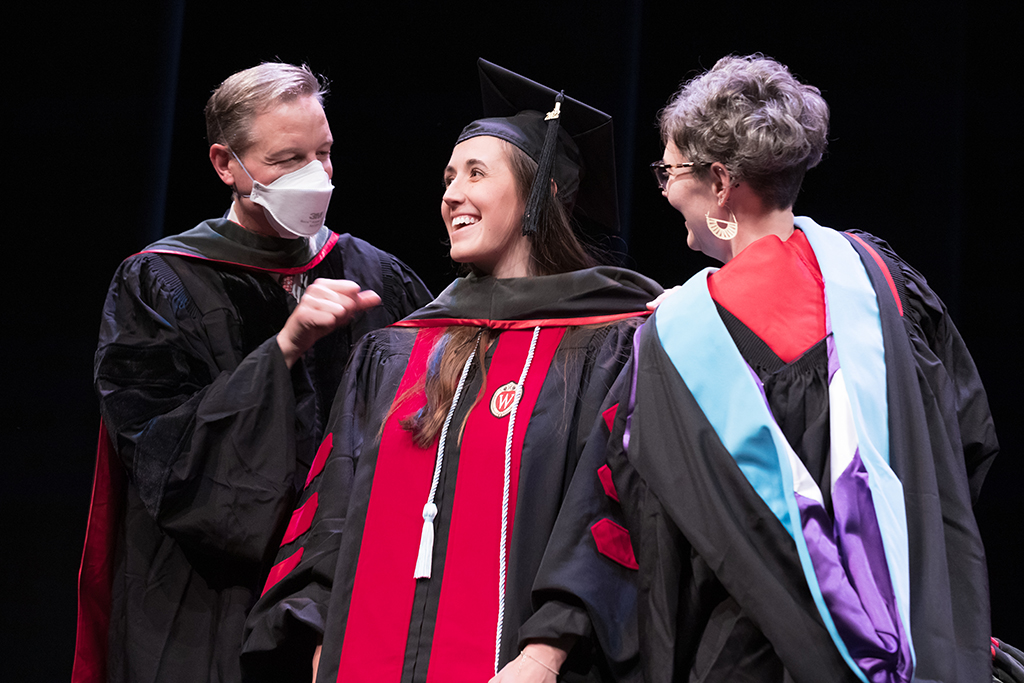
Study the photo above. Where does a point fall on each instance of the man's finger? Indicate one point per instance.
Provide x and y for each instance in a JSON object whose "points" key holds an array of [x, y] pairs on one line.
{"points": [[367, 299], [343, 287]]}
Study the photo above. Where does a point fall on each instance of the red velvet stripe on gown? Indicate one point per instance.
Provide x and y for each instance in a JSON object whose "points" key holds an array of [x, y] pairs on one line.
{"points": [[97, 570], [464, 636], [382, 594]]}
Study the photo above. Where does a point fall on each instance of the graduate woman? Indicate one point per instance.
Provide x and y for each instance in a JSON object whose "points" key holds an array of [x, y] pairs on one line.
{"points": [[456, 434], [806, 433]]}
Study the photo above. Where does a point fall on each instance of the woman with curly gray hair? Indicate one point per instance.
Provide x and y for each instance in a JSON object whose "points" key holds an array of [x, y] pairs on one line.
{"points": [[800, 436], [746, 132]]}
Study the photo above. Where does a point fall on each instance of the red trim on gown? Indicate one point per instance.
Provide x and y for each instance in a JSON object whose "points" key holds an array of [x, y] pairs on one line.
{"points": [[467, 614], [383, 590], [884, 268], [302, 519], [604, 475], [519, 324], [295, 270], [97, 571], [321, 459], [283, 568], [377, 627], [613, 542], [775, 289]]}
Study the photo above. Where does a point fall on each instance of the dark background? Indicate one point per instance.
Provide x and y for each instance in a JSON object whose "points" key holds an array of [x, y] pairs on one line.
{"points": [[107, 152]]}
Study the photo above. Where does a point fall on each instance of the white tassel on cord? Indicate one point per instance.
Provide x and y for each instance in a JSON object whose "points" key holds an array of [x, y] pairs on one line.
{"points": [[505, 495], [426, 552]]}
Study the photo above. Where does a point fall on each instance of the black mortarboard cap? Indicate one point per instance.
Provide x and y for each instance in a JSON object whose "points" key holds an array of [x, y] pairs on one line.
{"points": [[579, 142]]}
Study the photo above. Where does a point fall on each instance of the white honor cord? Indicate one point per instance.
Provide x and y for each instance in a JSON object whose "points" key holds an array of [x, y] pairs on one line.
{"points": [[505, 495], [426, 551]]}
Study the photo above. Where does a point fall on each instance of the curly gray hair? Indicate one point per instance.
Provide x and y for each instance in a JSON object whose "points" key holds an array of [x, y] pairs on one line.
{"points": [[246, 94], [753, 116]]}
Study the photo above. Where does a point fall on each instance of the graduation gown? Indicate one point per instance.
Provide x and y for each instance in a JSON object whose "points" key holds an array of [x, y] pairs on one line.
{"points": [[346, 567], [726, 582], [210, 437]]}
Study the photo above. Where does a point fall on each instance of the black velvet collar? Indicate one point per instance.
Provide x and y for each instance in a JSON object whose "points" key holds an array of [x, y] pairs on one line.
{"points": [[222, 240], [604, 290]]}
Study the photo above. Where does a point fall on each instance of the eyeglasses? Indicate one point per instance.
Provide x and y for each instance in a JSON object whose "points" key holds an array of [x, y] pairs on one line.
{"points": [[661, 170]]}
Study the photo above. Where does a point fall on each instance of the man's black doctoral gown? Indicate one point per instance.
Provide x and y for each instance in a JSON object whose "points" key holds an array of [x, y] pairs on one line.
{"points": [[215, 435], [339, 579]]}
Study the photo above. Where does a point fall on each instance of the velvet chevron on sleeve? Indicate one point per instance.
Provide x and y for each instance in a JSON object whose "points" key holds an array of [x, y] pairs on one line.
{"points": [[589, 571]]}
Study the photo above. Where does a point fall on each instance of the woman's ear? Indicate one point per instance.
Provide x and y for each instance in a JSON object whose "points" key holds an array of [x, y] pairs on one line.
{"points": [[721, 182]]}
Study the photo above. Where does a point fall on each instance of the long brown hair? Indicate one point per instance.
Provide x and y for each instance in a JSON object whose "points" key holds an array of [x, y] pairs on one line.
{"points": [[554, 249]]}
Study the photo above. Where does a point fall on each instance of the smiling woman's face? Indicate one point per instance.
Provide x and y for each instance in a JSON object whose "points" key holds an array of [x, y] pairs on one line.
{"points": [[483, 209], [692, 198]]}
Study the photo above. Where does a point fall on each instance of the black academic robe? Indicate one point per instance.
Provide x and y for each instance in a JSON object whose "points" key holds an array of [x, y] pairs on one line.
{"points": [[214, 434], [718, 586], [327, 577]]}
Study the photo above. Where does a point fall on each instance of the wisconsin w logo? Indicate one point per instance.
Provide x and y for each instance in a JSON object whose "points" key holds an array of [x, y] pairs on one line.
{"points": [[502, 400]]}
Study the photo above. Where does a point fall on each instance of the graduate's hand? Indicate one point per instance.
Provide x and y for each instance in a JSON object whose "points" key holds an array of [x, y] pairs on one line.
{"points": [[325, 306], [537, 663], [651, 305]]}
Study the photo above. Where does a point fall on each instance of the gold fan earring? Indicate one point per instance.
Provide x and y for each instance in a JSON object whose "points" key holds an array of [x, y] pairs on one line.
{"points": [[721, 228]]}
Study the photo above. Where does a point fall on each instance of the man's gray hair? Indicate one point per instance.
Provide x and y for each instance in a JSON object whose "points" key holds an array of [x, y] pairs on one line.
{"points": [[243, 96]]}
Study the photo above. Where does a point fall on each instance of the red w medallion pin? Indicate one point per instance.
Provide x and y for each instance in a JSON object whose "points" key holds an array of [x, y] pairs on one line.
{"points": [[502, 400]]}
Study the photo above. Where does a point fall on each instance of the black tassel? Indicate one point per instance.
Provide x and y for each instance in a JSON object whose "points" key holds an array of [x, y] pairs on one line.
{"points": [[542, 182]]}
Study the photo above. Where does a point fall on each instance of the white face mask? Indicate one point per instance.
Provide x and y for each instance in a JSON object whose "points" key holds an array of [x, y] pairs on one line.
{"points": [[296, 203]]}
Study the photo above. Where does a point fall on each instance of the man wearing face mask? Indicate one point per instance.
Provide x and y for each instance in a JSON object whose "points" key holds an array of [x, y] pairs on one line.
{"points": [[220, 350]]}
